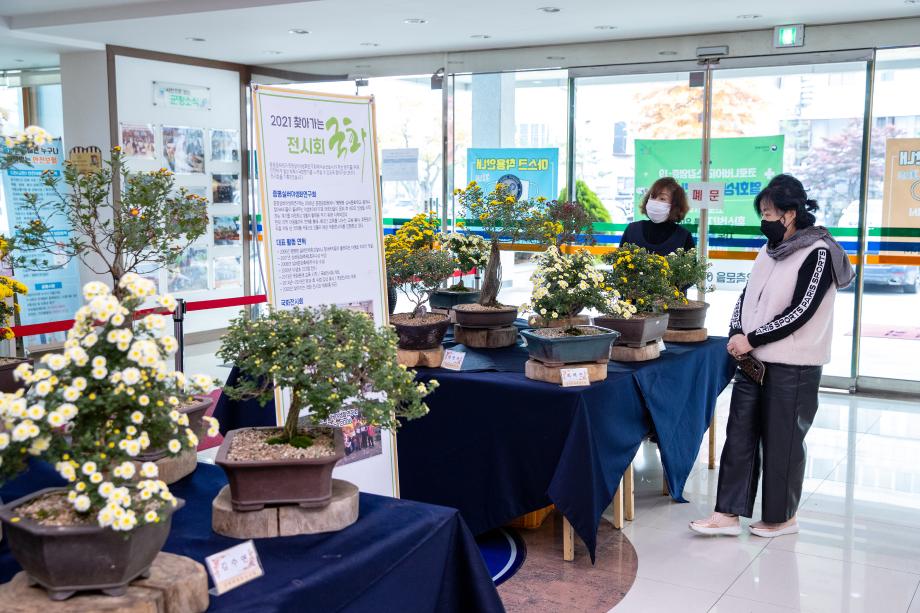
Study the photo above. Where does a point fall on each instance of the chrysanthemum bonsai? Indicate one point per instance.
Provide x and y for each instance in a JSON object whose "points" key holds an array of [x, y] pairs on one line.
{"points": [[574, 224], [471, 252], [417, 234], [418, 274], [324, 360], [92, 411], [687, 270]]}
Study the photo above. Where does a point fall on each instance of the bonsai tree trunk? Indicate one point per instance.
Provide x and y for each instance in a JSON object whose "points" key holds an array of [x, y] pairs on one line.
{"points": [[293, 418], [492, 279]]}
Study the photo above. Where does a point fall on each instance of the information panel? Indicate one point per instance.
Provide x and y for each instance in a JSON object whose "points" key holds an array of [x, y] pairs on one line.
{"points": [[323, 232]]}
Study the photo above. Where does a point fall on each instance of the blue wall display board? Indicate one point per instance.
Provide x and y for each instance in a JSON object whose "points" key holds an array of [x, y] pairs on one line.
{"points": [[528, 173]]}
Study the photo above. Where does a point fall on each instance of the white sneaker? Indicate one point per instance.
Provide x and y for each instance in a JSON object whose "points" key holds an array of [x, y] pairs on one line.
{"points": [[767, 533], [717, 524]]}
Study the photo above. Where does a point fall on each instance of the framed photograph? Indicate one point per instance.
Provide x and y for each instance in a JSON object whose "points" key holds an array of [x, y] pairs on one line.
{"points": [[190, 273], [225, 189], [226, 230], [183, 149], [228, 272], [225, 145], [137, 141]]}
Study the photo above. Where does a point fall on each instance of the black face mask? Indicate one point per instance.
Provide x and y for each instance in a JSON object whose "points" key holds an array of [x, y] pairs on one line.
{"points": [[773, 230]]}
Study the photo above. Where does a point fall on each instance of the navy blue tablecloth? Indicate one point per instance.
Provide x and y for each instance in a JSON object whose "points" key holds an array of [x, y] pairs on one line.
{"points": [[399, 556]]}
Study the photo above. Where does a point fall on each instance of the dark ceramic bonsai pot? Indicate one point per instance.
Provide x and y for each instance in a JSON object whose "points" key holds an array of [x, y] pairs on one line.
{"points": [[392, 298], [555, 351], [195, 414], [304, 482], [448, 299], [491, 318], [69, 559], [425, 336], [688, 316], [636, 331], [8, 382]]}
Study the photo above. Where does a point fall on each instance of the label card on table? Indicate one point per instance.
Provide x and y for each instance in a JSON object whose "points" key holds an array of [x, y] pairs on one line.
{"points": [[574, 377], [661, 345], [452, 360], [233, 567]]}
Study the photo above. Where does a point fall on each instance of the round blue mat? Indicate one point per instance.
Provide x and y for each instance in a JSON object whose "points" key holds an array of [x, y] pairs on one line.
{"points": [[504, 551]]}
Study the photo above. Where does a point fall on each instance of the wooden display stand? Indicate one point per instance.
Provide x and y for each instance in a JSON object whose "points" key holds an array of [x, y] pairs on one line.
{"points": [[538, 371], [622, 353], [534, 519], [695, 335], [451, 315], [286, 520], [424, 357], [486, 338], [170, 469], [176, 585]]}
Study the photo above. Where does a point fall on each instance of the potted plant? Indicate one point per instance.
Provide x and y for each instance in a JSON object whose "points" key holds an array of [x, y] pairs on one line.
{"points": [[9, 310], [92, 411], [471, 252], [687, 270], [503, 218], [416, 234], [417, 274], [564, 285], [642, 279], [326, 360], [574, 224]]}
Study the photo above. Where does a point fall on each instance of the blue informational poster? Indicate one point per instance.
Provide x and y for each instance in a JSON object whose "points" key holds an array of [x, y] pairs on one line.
{"points": [[53, 294], [527, 173]]}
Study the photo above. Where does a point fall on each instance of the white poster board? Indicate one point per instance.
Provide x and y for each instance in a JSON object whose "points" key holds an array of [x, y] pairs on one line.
{"points": [[323, 228]]}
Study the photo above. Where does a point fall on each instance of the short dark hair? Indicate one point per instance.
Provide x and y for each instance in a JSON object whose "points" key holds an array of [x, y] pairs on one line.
{"points": [[679, 206], [787, 193]]}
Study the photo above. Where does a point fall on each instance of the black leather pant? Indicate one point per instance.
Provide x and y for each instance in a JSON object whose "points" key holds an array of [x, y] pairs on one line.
{"points": [[769, 422]]}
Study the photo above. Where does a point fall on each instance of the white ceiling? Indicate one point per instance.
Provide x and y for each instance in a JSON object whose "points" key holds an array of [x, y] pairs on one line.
{"points": [[256, 31]]}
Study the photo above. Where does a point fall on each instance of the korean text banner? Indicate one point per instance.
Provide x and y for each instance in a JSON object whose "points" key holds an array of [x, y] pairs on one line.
{"points": [[527, 173], [53, 294], [744, 164], [322, 226]]}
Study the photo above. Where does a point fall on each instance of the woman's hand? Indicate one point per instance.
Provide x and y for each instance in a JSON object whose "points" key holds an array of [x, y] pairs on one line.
{"points": [[738, 345]]}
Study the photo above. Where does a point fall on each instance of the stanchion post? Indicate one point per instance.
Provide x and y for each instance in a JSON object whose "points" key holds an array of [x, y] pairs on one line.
{"points": [[178, 324]]}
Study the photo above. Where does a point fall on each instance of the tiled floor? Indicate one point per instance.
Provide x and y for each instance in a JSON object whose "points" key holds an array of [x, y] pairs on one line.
{"points": [[859, 548]]}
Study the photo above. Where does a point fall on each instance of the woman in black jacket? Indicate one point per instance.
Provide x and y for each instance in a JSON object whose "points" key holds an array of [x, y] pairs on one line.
{"points": [[665, 205]]}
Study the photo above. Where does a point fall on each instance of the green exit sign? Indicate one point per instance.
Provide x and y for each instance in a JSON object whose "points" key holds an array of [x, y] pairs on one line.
{"points": [[789, 36]]}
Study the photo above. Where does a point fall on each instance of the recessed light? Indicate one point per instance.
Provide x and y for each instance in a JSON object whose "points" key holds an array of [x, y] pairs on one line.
{"points": [[605, 27], [667, 53], [481, 36], [549, 9], [370, 44], [270, 52], [750, 16], [298, 31], [415, 21], [555, 57], [454, 61], [362, 65], [19, 61], [195, 39]]}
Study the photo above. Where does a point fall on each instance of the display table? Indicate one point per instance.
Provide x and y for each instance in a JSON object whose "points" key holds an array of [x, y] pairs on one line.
{"points": [[497, 445], [366, 567]]}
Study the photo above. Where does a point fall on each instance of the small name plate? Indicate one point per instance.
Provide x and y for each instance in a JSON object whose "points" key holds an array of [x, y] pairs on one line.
{"points": [[574, 377], [452, 360], [661, 345], [233, 567]]}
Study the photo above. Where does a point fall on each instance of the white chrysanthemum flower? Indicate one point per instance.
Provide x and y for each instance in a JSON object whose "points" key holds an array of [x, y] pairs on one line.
{"points": [[192, 437], [43, 388], [96, 478], [4, 440], [23, 371], [68, 410], [99, 373], [55, 361], [146, 494], [56, 419], [100, 361], [170, 344], [89, 468], [117, 319], [93, 289], [168, 302], [22, 431], [90, 339], [183, 419], [143, 400], [151, 517], [66, 470], [106, 516], [79, 383], [131, 376], [149, 470], [154, 322], [174, 446], [39, 446], [105, 489], [36, 411], [81, 503], [137, 417]]}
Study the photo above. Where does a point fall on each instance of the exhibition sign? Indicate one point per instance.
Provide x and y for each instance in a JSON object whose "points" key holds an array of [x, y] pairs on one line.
{"points": [[323, 232], [744, 165], [901, 195], [527, 173], [54, 294]]}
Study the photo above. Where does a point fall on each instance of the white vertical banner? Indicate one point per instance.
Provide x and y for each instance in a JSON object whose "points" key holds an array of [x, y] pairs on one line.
{"points": [[323, 233]]}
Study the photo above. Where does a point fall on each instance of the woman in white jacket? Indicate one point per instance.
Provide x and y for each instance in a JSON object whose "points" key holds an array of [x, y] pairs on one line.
{"points": [[784, 318]]}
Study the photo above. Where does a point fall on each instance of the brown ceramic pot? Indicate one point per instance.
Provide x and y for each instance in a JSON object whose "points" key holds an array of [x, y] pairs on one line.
{"points": [[8, 382], [690, 316], [492, 318], [636, 331], [69, 559], [254, 484], [195, 414], [425, 336]]}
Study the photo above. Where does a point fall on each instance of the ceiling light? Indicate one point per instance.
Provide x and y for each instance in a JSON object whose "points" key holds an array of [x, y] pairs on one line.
{"points": [[273, 52], [362, 65], [415, 21], [549, 9], [19, 61], [911, 1], [555, 57], [750, 16], [454, 61], [370, 44], [605, 27], [195, 39], [481, 36], [298, 31], [667, 53]]}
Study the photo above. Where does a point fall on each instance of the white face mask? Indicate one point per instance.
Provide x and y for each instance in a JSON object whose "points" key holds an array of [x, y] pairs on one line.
{"points": [[657, 210]]}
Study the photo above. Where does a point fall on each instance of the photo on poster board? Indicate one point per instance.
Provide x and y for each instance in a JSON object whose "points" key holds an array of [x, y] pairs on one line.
{"points": [[228, 272], [226, 230], [362, 440], [183, 149], [190, 273], [225, 145], [138, 141], [225, 189]]}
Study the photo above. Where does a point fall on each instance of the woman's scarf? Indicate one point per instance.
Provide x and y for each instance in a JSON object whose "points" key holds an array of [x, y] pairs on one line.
{"points": [[806, 237]]}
